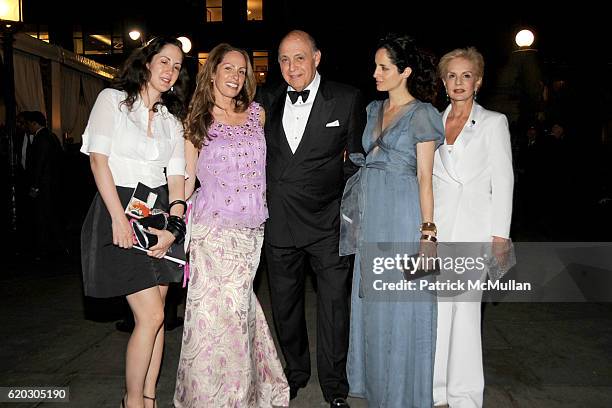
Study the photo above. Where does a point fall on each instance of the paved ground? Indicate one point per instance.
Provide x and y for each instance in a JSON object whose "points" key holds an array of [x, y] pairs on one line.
{"points": [[536, 355]]}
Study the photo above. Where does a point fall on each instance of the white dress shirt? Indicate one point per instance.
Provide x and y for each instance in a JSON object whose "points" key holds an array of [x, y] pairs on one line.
{"points": [[27, 142], [295, 116], [121, 134]]}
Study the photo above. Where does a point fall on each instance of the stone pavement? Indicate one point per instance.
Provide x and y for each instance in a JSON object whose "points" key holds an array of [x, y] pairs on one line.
{"points": [[536, 355]]}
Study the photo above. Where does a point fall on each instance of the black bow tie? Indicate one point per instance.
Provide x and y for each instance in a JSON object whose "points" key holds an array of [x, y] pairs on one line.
{"points": [[293, 95]]}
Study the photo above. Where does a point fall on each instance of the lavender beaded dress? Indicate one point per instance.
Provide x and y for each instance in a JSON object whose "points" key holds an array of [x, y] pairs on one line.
{"points": [[228, 357]]}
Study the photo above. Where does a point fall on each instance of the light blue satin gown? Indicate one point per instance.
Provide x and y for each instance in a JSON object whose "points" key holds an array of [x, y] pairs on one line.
{"points": [[392, 340]]}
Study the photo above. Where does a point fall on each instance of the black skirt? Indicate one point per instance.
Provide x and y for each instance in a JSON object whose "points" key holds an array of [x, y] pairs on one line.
{"points": [[109, 270]]}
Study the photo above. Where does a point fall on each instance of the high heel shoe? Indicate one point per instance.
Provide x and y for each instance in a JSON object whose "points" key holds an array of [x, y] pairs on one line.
{"points": [[150, 399]]}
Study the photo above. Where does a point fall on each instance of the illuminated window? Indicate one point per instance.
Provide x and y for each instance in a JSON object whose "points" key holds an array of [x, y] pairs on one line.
{"points": [[41, 36], [117, 40], [214, 10], [254, 10], [96, 44], [202, 57], [260, 66], [77, 38], [38, 31], [97, 41]]}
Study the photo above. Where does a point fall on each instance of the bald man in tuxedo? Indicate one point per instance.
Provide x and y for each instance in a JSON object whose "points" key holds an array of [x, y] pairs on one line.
{"points": [[312, 123]]}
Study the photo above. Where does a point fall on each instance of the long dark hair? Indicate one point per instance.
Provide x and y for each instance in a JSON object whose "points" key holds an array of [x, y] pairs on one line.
{"points": [[404, 53], [134, 75], [200, 115]]}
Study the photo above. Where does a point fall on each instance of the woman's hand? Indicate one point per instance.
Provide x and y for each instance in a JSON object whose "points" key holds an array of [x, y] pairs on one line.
{"points": [[123, 235], [428, 252], [500, 247], [164, 240]]}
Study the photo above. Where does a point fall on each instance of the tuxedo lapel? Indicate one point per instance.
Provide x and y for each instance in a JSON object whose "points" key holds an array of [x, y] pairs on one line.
{"points": [[321, 111], [278, 131]]}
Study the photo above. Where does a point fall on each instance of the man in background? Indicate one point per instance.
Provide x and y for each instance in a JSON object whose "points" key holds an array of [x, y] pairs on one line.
{"points": [[43, 178]]}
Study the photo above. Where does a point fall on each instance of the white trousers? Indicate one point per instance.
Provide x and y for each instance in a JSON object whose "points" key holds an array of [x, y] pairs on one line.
{"points": [[458, 372]]}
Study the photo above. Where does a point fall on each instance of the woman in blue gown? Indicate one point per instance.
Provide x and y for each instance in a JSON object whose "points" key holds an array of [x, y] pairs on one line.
{"points": [[392, 333]]}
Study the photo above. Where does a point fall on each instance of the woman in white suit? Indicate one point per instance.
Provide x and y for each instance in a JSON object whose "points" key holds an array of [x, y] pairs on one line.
{"points": [[473, 183]]}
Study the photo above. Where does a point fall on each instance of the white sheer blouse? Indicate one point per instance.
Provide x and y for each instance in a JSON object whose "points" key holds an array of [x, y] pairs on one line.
{"points": [[121, 134]]}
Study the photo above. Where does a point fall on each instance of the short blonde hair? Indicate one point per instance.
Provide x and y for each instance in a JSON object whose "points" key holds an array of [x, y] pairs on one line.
{"points": [[470, 53]]}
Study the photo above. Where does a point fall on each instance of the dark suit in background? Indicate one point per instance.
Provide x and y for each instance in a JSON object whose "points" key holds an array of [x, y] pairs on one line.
{"points": [[22, 141], [43, 171]]}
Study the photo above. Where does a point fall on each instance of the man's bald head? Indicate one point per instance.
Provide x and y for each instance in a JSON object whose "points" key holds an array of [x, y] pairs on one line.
{"points": [[299, 58], [300, 35]]}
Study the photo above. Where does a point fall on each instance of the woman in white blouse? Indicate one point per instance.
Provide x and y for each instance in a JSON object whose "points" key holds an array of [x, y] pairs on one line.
{"points": [[472, 183], [134, 133]]}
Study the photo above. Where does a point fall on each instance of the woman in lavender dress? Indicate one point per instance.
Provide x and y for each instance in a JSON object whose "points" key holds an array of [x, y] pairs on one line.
{"points": [[228, 358]]}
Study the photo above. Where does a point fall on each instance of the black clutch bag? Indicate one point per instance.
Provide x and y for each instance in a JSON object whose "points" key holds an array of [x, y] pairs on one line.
{"points": [[411, 273], [143, 236]]}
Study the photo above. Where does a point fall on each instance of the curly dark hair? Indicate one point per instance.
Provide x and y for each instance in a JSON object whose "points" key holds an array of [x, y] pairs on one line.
{"points": [[404, 53], [134, 76]]}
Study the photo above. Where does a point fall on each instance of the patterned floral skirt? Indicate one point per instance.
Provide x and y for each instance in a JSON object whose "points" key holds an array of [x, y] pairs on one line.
{"points": [[228, 357]]}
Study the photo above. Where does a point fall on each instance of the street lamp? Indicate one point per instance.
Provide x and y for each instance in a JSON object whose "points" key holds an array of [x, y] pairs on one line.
{"points": [[134, 35], [524, 38], [10, 11], [186, 44], [11, 20]]}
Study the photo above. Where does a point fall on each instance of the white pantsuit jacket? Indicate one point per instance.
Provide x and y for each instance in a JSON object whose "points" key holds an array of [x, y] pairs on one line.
{"points": [[473, 185]]}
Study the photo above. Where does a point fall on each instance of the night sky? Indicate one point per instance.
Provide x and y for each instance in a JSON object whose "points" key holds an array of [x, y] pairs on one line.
{"points": [[573, 43], [572, 40], [565, 32]]}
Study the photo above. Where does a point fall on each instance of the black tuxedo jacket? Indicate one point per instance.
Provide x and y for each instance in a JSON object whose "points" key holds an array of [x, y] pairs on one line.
{"points": [[304, 189]]}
